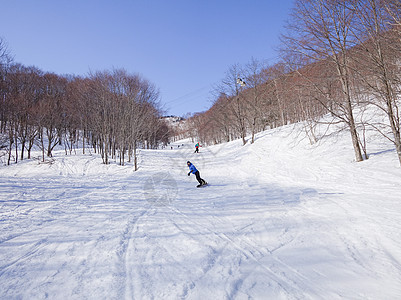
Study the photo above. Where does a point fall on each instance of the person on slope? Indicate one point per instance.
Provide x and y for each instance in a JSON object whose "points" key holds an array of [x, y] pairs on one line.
{"points": [[193, 170], [197, 148]]}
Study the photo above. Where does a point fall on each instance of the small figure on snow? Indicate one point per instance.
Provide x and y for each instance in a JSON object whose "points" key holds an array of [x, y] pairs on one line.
{"points": [[197, 148], [193, 170]]}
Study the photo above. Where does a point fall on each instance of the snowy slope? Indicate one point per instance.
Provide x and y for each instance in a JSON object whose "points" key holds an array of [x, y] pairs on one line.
{"points": [[281, 219]]}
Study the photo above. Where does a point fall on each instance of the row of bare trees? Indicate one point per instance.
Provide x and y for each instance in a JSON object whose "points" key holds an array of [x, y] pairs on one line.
{"points": [[338, 57], [113, 112]]}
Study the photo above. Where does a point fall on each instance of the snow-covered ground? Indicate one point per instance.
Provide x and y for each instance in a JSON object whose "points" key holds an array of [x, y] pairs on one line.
{"points": [[281, 219]]}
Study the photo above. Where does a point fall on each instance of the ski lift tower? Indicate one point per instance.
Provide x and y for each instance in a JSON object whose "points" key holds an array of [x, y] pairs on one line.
{"points": [[241, 82]]}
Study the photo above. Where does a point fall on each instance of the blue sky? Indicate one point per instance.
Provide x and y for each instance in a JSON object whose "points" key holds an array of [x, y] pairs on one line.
{"points": [[184, 47]]}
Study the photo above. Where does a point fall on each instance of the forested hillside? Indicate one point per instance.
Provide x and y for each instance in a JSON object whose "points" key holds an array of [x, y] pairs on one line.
{"points": [[337, 58], [113, 112]]}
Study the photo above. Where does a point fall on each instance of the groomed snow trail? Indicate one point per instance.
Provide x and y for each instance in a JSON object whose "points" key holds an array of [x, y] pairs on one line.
{"points": [[77, 229]]}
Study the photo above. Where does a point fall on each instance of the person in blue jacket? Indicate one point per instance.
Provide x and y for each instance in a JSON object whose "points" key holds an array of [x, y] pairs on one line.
{"points": [[193, 170]]}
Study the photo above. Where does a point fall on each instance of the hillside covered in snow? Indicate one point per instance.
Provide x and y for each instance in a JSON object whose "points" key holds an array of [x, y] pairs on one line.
{"points": [[280, 219]]}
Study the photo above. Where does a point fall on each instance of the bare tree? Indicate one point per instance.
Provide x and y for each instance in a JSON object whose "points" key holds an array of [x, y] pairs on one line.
{"points": [[233, 86], [255, 95], [222, 119], [394, 10], [320, 31], [377, 58], [5, 60], [279, 95]]}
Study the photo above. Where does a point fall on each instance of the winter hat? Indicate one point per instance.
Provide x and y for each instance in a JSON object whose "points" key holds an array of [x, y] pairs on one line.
{"points": [[188, 162]]}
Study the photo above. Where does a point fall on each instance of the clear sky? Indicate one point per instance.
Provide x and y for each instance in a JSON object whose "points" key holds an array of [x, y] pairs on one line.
{"points": [[183, 47]]}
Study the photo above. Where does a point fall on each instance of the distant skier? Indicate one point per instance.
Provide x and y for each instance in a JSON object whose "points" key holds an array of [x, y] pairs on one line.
{"points": [[197, 148], [193, 170]]}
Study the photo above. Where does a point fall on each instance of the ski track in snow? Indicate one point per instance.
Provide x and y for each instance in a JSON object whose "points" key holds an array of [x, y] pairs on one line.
{"points": [[269, 226]]}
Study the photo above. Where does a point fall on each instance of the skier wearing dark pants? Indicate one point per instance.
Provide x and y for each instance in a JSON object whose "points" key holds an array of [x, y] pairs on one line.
{"points": [[193, 170], [197, 148]]}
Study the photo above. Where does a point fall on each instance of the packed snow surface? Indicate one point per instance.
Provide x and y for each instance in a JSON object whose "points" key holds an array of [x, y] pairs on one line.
{"points": [[280, 219]]}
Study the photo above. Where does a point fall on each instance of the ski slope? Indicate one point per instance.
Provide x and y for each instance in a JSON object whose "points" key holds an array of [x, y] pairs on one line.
{"points": [[281, 219]]}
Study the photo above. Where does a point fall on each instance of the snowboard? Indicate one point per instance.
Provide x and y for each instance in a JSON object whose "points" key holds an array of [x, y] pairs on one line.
{"points": [[203, 185]]}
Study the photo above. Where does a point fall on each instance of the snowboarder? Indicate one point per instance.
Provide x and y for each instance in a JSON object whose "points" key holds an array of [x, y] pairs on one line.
{"points": [[193, 170], [197, 148]]}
